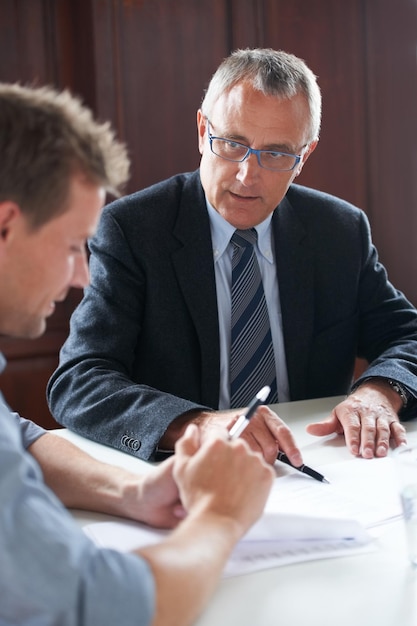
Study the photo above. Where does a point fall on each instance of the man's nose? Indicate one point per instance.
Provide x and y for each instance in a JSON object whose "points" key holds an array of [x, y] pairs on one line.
{"points": [[81, 276], [249, 168]]}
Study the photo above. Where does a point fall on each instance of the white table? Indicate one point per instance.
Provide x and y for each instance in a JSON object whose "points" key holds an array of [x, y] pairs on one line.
{"points": [[378, 588]]}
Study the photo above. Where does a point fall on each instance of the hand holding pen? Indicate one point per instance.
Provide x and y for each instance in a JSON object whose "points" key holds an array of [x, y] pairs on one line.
{"points": [[244, 420]]}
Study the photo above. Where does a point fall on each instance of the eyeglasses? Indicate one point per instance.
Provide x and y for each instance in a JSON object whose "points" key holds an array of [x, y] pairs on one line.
{"points": [[238, 152]]}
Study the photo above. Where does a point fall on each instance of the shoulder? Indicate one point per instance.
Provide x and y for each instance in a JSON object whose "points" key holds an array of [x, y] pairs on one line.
{"points": [[312, 199], [318, 209], [161, 197], [324, 219], [168, 207]]}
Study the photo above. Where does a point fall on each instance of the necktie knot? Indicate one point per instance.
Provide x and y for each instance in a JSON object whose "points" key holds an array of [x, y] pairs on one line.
{"points": [[244, 238]]}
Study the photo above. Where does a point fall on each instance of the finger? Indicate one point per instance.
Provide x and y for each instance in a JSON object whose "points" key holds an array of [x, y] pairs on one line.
{"points": [[368, 434], [398, 433], [348, 422], [189, 443], [383, 436], [259, 444], [378, 426], [287, 444], [283, 437], [326, 427], [179, 512], [259, 437], [164, 469], [167, 517], [352, 430]]}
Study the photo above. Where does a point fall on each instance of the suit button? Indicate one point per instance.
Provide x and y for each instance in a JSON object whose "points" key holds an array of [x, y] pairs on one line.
{"points": [[130, 442]]}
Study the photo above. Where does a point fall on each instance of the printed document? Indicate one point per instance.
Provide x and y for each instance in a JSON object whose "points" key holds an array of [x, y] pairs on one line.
{"points": [[303, 520]]}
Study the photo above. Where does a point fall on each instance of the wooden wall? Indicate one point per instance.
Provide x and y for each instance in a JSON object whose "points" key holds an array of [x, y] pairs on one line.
{"points": [[144, 64]]}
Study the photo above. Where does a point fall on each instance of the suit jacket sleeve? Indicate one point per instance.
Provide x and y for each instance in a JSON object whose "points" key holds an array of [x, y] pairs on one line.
{"points": [[388, 326], [132, 361], [337, 301]]}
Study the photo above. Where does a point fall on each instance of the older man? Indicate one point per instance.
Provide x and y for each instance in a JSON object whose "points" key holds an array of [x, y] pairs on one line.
{"points": [[170, 332]]}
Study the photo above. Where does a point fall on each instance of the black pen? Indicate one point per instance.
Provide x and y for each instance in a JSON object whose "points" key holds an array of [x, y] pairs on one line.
{"points": [[302, 468], [243, 420]]}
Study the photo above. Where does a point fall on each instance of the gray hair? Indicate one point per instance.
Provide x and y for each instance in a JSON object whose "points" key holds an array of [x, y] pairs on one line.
{"points": [[274, 73], [46, 138]]}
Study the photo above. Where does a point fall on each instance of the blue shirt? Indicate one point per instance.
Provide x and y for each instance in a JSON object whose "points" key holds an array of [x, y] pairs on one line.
{"points": [[50, 572], [221, 232]]}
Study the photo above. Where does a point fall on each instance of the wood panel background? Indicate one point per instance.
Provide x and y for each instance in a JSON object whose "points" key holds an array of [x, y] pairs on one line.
{"points": [[144, 64]]}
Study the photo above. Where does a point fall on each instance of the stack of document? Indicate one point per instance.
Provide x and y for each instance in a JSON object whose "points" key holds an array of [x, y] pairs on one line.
{"points": [[303, 520]]}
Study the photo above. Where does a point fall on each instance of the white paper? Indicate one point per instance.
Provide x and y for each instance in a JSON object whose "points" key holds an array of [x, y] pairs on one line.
{"points": [[360, 489], [252, 558], [303, 519], [276, 540]]}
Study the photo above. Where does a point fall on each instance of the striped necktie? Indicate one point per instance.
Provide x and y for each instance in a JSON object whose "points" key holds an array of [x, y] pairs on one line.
{"points": [[252, 362]]}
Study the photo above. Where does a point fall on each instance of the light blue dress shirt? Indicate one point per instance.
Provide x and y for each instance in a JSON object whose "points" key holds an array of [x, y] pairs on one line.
{"points": [[50, 572], [221, 232]]}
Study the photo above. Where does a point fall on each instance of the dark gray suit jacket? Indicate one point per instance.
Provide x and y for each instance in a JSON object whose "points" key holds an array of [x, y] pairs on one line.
{"points": [[144, 342]]}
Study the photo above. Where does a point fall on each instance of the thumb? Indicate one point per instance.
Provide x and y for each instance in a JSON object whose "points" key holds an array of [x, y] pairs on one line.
{"points": [[190, 442], [325, 427]]}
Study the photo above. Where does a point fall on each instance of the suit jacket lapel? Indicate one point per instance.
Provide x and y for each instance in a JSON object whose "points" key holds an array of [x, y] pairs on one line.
{"points": [[294, 259], [193, 264]]}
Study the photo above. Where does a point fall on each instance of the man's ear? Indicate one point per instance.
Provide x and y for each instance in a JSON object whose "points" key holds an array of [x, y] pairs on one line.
{"points": [[202, 129], [311, 147], [9, 214]]}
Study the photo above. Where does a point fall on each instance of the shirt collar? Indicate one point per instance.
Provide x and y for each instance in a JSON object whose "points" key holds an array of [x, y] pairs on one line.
{"points": [[222, 231]]}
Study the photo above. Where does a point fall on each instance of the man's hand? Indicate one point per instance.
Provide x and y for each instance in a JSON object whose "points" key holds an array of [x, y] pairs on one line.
{"points": [[368, 418], [156, 500], [221, 478], [223, 485], [266, 432], [83, 482]]}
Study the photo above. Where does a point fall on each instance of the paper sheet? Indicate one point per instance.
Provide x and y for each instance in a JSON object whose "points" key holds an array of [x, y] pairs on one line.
{"points": [[248, 556], [303, 519], [360, 489]]}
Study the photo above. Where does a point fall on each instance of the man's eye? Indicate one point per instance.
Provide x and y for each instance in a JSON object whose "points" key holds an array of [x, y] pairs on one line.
{"points": [[233, 145]]}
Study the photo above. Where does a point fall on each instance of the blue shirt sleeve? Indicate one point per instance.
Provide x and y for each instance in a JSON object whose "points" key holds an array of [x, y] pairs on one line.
{"points": [[51, 573], [30, 431]]}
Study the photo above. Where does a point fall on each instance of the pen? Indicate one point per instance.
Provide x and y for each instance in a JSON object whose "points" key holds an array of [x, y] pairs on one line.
{"points": [[302, 468], [243, 420]]}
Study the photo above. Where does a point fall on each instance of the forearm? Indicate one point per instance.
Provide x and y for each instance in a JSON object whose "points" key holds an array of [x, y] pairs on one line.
{"points": [[188, 564], [125, 407], [80, 481]]}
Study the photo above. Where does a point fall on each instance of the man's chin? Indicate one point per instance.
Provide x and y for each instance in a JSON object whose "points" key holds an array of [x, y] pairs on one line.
{"points": [[30, 331], [37, 330]]}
